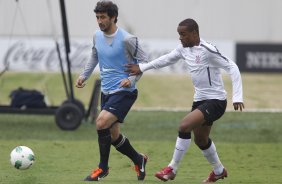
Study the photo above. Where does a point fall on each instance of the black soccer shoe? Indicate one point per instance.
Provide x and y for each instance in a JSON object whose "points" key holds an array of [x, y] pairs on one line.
{"points": [[97, 174], [140, 168]]}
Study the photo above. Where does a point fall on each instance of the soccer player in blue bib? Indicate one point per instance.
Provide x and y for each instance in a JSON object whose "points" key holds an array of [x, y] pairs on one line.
{"points": [[204, 63], [113, 48]]}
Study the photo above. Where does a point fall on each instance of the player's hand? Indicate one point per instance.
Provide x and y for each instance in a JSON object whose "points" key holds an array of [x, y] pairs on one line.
{"points": [[80, 82], [133, 69], [238, 105], [125, 83]]}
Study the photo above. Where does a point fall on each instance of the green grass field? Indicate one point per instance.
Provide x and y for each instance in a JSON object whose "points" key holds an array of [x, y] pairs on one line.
{"points": [[249, 144]]}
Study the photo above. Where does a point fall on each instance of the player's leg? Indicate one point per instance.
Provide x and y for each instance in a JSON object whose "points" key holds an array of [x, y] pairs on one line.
{"points": [[208, 148], [121, 104], [192, 120], [181, 146], [103, 124], [212, 110], [123, 145]]}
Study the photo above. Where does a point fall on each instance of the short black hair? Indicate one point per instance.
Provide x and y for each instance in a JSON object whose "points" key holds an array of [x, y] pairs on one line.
{"points": [[106, 6], [190, 24]]}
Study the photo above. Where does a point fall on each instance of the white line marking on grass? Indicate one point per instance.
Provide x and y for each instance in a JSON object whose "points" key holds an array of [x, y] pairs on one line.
{"points": [[172, 109]]}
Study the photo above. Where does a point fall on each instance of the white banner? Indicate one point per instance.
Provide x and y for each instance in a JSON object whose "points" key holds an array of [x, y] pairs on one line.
{"points": [[40, 54]]}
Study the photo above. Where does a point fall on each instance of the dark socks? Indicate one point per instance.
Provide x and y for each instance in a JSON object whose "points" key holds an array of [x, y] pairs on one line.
{"points": [[206, 146], [104, 140], [123, 145], [184, 135]]}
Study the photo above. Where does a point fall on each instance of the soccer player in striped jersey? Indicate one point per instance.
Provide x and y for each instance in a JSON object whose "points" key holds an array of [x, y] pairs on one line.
{"points": [[112, 48], [204, 63]]}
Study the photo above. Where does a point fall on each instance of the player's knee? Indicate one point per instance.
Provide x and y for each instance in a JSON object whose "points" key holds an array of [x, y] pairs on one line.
{"points": [[199, 143], [202, 142], [184, 127], [101, 123]]}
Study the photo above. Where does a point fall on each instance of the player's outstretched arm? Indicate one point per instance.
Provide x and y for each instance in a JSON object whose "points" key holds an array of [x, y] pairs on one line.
{"points": [[133, 69]]}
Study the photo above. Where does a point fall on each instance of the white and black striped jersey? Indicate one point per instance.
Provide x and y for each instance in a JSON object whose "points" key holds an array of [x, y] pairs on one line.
{"points": [[204, 64]]}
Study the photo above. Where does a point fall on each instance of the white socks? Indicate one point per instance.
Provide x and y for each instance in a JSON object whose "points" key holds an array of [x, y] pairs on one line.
{"points": [[213, 159], [181, 147]]}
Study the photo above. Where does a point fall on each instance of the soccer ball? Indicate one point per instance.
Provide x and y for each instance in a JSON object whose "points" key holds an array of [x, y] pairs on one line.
{"points": [[22, 157]]}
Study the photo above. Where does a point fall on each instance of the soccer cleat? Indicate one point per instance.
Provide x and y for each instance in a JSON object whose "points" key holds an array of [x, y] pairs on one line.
{"points": [[213, 177], [140, 168], [97, 174], [166, 174]]}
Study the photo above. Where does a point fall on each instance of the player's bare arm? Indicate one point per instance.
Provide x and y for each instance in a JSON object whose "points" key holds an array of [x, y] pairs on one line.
{"points": [[133, 69], [238, 105]]}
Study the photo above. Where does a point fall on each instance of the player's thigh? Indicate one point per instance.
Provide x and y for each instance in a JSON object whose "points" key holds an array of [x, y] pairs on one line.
{"points": [[105, 120], [191, 121]]}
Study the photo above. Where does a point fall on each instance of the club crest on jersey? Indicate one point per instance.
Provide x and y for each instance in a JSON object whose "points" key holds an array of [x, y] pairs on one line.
{"points": [[198, 59]]}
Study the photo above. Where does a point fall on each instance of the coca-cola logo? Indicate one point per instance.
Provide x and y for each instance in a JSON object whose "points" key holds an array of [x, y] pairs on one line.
{"points": [[42, 55], [22, 56]]}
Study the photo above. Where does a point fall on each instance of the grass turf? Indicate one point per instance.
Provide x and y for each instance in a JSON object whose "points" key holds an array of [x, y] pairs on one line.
{"points": [[249, 145]]}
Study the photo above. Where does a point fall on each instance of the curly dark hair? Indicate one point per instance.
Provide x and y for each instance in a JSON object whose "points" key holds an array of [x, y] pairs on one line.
{"points": [[106, 6]]}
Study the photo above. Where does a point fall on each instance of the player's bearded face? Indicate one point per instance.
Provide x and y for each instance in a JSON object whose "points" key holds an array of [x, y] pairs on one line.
{"points": [[186, 38], [104, 21]]}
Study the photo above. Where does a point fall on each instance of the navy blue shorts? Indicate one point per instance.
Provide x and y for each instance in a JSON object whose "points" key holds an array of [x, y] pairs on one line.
{"points": [[212, 109], [119, 103]]}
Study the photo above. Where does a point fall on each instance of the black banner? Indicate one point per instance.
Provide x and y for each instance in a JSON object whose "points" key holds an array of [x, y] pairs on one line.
{"points": [[259, 57]]}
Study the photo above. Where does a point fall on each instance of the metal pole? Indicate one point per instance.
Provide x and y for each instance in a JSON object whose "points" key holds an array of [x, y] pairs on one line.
{"points": [[67, 46]]}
